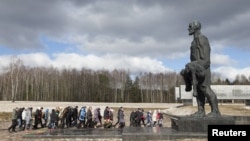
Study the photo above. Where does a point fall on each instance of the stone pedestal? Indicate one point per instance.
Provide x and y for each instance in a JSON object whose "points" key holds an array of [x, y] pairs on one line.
{"points": [[247, 102], [195, 124], [242, 120]]}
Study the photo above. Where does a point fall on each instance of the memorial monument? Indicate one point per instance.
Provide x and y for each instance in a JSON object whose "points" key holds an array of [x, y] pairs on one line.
{"points": [[197, 76], [197, 72]]}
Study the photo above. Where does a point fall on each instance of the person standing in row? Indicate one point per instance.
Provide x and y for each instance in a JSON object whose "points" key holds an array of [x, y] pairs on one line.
{"points": [[46, 117], [82, 117], [121, 119], [89, 123], [12, 128], [149, 119], [97, 117], [19, 118], [154, 118], [38, 117], [118, 114]]}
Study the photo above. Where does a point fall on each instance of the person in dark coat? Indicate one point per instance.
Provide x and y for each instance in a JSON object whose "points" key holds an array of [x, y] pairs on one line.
{"points": [[106, 113], [69, 117], [132, 118], [108, 120], [118, 114], [89, 123], [97, 117], [38, 118], [75, 116], [138, 115], [53, 119], [12, 128], [19, 117], [121, 119]]}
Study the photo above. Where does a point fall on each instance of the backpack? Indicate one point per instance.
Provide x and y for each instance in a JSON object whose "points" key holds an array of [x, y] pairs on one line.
{"points": [[82, 114]]}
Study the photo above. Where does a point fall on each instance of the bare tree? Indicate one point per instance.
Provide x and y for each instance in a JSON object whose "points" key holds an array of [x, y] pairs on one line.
{"points": [[171, 78], [15, 67]]}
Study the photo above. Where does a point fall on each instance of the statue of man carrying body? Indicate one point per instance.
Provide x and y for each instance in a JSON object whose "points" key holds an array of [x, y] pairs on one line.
{"points": [[197, 72]]}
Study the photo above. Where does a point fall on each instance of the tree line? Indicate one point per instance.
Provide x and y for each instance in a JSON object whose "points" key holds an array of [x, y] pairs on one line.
{"points": [[24, 83]]}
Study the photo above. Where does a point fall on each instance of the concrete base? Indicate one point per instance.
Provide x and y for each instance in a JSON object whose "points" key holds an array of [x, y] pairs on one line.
{"points": [[114, 134], [242, 120], [158, 133], [247, 102], [194, 124]]}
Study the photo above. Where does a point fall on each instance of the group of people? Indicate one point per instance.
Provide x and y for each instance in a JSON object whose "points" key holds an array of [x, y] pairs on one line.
{"points": [[138, 119], [85, 117], [22, 118], [89, 119]]}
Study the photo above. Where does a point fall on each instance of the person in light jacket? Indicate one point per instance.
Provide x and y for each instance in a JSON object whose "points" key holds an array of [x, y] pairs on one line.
{"points": [[23, 119], [154, 118], [28, 118]]}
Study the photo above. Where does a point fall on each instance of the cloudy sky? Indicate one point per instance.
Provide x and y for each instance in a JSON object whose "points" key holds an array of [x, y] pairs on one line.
{"points": [[136, 35]]}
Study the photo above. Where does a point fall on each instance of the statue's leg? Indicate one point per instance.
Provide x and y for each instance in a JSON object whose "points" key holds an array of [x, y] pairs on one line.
{"points": [[213, 102], [187, 78], [201, 104], [194, 83]]}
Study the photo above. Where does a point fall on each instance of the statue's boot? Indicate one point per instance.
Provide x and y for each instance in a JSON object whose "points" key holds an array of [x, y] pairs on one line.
{"points": [[214, 114], [199, 114], [214, 110]]}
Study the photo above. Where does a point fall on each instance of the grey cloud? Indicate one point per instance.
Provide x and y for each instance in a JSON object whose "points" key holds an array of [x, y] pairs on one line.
{"points": [[23, 22]]}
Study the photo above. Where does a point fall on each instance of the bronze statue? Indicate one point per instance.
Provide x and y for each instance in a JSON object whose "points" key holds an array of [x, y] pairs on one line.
{"points": [[197, 72]]}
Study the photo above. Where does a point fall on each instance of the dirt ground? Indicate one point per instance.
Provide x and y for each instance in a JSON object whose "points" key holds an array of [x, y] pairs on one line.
{"points": [[172, 109]]}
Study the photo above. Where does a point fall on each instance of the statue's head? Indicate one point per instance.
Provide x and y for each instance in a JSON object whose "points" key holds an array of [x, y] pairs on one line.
{"points": [[193, 27]]}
